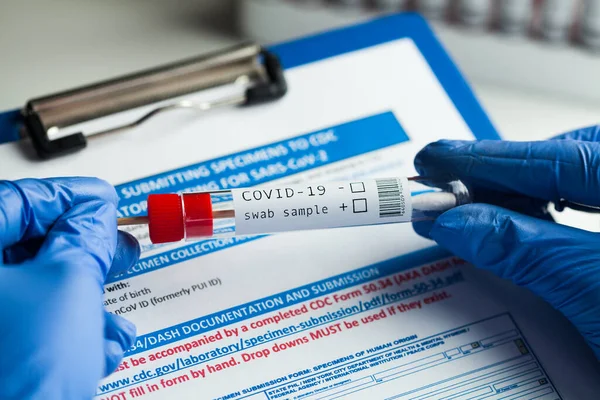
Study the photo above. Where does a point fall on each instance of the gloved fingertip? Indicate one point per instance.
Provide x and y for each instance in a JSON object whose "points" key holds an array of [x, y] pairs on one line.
{"points": [[423, 228], [119, 329], [451, 220], [430, 155], [449, 229], [127, 253], [119, 335], [129, 332], [113, 355]]}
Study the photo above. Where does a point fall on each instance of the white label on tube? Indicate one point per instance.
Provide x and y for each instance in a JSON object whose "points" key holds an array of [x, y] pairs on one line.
{"points": [[318, 206]]}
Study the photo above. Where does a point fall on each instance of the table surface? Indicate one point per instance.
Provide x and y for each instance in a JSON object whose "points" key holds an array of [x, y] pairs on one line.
{"points": [[50, 46]]}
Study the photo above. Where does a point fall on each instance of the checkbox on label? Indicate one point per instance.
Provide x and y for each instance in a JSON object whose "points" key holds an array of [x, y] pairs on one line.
{"points": [[359, 206], [357, 187]]}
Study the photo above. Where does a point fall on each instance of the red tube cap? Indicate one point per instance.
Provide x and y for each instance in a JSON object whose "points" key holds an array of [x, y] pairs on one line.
{"points": [[198, 217], [165, 218]]}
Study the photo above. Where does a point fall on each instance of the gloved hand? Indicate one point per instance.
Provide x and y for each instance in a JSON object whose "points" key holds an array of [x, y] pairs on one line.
{"points": [[559, 263], [59, 239]]}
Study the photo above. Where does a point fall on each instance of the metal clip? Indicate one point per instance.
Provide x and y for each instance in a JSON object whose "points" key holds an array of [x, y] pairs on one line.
{"points": [[248, 62]]}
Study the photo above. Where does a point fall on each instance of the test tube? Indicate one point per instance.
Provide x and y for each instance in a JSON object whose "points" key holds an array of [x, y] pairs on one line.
{"points": [[515, 15], [590, 24], [556, 19], [286, 208], [474, 13]]}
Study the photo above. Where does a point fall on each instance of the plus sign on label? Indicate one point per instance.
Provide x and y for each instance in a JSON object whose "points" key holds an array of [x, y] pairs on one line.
{"points": [[319, 206]]}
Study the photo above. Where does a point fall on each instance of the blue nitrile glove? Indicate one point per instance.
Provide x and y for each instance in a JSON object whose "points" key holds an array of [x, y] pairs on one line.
{"points": [[559, 263], [59, 239]]}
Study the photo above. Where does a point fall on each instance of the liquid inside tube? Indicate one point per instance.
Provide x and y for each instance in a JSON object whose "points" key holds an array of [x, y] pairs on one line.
{"points": [[284, 208]]}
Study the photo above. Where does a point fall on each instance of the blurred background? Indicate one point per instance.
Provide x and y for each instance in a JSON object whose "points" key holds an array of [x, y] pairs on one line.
{"points": [[533, 64]]}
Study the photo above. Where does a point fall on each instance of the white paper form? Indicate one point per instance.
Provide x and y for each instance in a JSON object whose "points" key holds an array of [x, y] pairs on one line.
{"points": [[370, 312]]}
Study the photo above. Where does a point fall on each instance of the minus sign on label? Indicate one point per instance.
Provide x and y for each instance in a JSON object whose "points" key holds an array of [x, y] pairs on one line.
{"points": [[300, 192], [341, 188]]}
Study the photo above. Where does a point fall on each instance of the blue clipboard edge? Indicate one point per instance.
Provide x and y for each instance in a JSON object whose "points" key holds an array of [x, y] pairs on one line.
{"points": [[389, 28], [329, 44]]}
